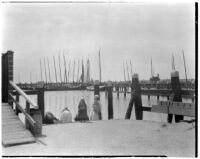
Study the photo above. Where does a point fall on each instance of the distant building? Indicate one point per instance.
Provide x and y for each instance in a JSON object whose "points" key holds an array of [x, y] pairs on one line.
{"points": [[155, 79]]}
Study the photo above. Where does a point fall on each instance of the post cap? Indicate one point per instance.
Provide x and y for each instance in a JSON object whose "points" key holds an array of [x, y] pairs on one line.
{"points": [[40, 84], [174, 74], [135, 75]]}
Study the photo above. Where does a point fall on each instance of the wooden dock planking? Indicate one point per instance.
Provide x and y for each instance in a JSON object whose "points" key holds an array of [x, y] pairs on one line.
{"points": [[13, 130]]}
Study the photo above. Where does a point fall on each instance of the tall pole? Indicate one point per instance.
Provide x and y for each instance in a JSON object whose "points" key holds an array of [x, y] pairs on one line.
{"points": [[99, 67], [65, 77], [173, 62], [41, 69], [185, 69], [55, 69], [30, 78], [60, 68], [49, 70], [82, 76], [45, 70]]}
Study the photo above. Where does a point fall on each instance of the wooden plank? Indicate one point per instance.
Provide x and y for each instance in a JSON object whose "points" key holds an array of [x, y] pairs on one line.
{"points": [[10, 119], [18, 141], [13, 130], [11, 122], [17, 135], [160, 109]]}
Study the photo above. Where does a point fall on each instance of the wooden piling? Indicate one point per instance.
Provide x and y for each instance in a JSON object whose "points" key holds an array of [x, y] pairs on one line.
{"points": [[40, 95], [96, 88], [177, 97], [117, 88], [28, 111], [135, 98], [110, 99], [157, 97], [125, 90]]}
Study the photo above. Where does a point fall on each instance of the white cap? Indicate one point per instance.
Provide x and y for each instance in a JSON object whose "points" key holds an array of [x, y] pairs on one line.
{"points": [[174, 74], [135, 75]]}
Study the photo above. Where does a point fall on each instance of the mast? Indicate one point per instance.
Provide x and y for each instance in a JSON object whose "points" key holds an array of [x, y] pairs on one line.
{"points": [[99, 67], [60, 68], [127, 71], [151, 69], [41, 69], [131, 68], [45, 70], [65, 77], [124, 73], [185, 69], [173, 62], [73, 70], [88, 70], [69, 70], [49, 70], [30, 78], [55, 69], [82, 76], [78, 71]]}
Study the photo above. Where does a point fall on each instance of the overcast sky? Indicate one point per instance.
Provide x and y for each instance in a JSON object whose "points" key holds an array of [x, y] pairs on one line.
{"points": [[123, 32]]}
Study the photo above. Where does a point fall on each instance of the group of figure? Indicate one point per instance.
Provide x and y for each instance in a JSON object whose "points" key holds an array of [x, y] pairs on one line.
{"points": [[66, 116]]}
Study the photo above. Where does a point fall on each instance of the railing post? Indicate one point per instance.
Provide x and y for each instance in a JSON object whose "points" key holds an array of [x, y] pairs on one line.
{"points": [[40, 89], [110, 100], [28, 112]]}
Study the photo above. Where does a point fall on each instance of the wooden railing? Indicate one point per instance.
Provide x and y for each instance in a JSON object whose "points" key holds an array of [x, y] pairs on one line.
{"points": [[29, 102]]}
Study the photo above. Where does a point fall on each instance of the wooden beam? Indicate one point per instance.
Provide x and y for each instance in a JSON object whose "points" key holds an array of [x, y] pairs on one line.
{"points": [[178, 108]]}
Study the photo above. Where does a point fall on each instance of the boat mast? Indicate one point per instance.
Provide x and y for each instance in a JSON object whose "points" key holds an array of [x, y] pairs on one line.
{"points": [[78, 71], [131, 68], [173, 64], [99, 67], [151, 69], [49, 70], [127, 71], [185, 69], [69, 70], [41, 69], [124, 73], [60, 68], [45, 70], [73, 70], [65, 77], [82, 76], [55, 69]]}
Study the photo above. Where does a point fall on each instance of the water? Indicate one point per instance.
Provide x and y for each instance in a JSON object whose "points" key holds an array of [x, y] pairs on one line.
{"points": [[55, 101]]}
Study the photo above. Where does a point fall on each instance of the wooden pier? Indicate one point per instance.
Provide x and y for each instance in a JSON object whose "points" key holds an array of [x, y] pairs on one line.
{"points": [[13, 130]]}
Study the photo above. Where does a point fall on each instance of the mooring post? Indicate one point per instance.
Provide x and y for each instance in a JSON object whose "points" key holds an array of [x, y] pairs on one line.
{"points": [[176, 89], [125, 90], [157, 97], [110, 99], [96, 88], [40, 95], [135, 98]]}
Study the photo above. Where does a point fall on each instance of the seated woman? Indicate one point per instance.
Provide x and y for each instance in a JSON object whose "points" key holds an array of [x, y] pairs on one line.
{"points": [[82, 111], [66, 116], [96, 109]]}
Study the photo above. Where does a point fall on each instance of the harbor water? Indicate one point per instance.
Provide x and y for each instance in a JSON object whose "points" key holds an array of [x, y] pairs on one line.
{"points": [[55, 101]]}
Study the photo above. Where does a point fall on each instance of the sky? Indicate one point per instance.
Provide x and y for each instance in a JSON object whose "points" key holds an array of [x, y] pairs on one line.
{"points": [[123, 32]]}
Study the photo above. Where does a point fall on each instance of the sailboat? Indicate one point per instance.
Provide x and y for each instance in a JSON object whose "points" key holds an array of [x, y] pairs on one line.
{"points": [[154, 79]]}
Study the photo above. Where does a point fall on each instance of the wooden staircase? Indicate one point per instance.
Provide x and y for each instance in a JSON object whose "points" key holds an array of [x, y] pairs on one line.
{"points": [[13, 130]]}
